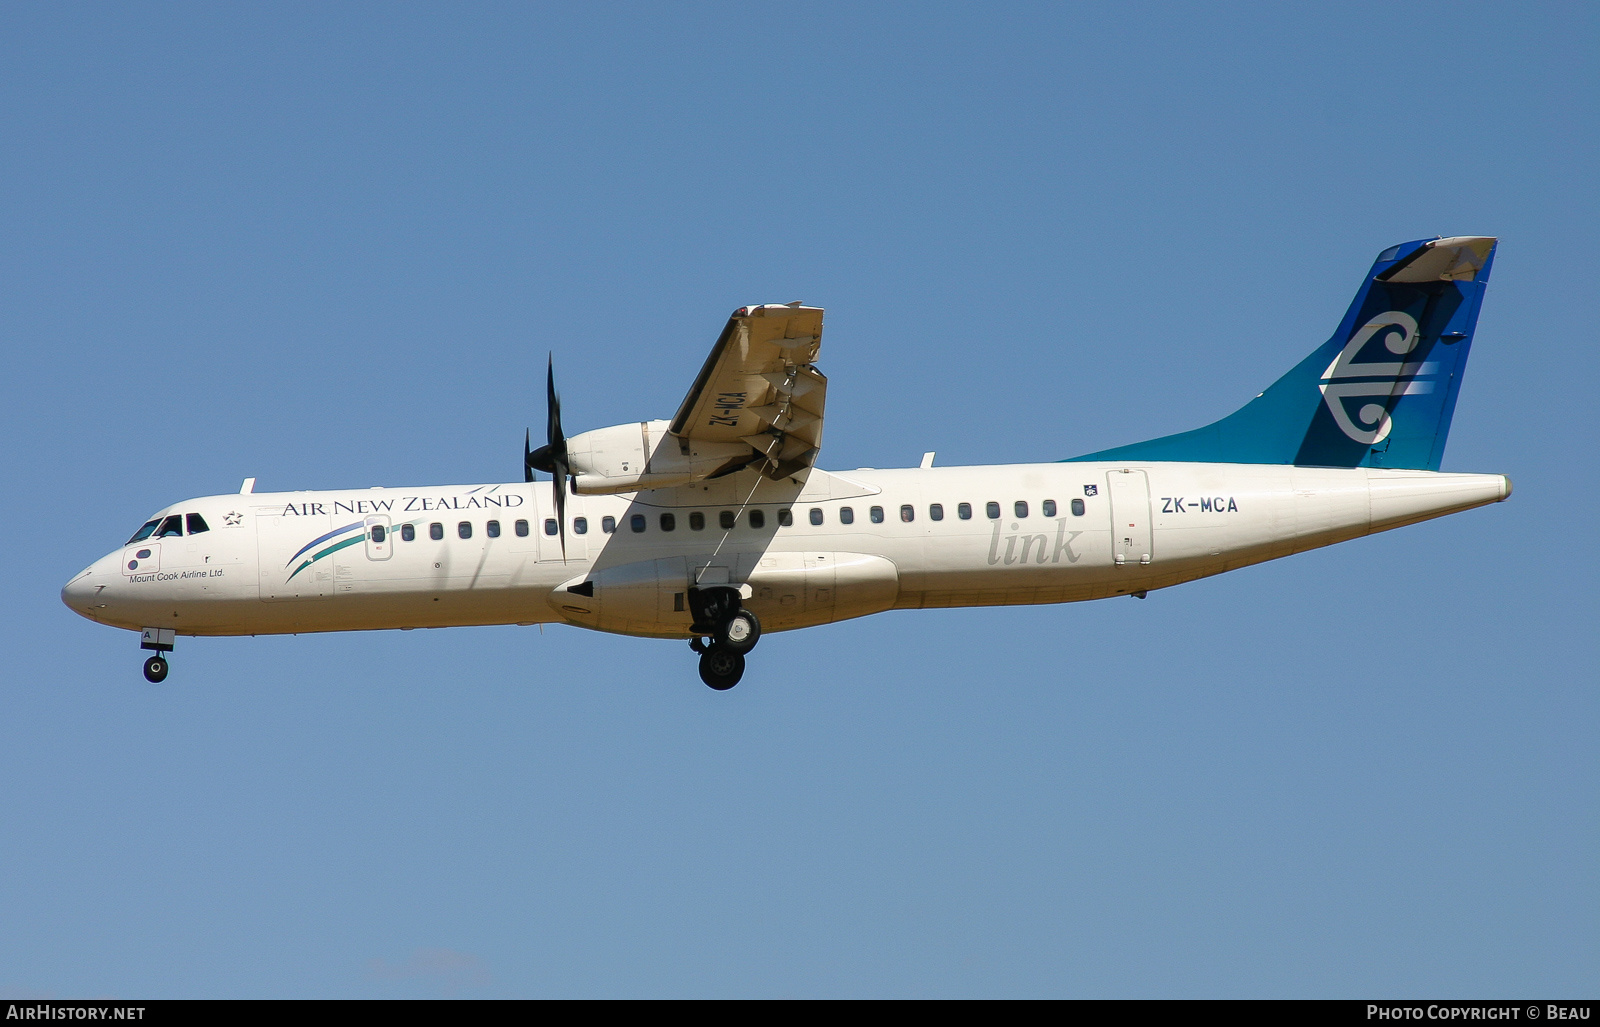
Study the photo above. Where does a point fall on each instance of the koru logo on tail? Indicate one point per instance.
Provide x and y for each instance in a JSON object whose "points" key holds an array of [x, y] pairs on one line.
{"points": [[1379, 380]]}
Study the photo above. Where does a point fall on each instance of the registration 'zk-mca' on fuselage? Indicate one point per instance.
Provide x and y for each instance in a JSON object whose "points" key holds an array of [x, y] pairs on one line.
{"points": [[717, 525]]}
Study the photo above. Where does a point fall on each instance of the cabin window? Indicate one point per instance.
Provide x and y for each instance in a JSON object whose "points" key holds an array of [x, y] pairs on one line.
{"points": [[668, 522], [550, 526], [436, 531], [847, 515], [171, 526], [493, 528], [1077, 508], [935, 512], [697, 521], [727, 519], [992, 509], [521, 528], [636, 522], [758, 519], [1048, 508], [464, 529], [785, 518], [964, 511], [1020, 508], [197, 524], [908, 513], [379, 533], [580, 525], [144, 531], [816, 515], [608, 524], [408, 532], [877, 514]]}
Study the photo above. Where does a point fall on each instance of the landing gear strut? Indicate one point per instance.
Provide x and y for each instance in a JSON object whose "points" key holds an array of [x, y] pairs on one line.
{"points": [[160, 640], [732, 629]]}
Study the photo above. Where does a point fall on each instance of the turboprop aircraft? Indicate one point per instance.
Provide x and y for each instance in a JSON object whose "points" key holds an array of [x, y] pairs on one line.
{"points": [[717, 525]]}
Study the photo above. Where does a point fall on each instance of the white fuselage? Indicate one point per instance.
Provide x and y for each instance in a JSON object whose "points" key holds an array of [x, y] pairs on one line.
{"points": [[312, 561]]}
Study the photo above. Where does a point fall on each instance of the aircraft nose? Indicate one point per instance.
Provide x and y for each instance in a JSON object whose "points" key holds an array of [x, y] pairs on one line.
{"points": [[80, 593]]}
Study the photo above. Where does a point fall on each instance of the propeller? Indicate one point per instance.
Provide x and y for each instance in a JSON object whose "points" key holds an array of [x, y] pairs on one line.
{"points": [[551, 457]]}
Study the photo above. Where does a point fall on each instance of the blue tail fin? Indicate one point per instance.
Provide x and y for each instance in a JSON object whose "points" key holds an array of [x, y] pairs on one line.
{"points": [[1380, 393]]}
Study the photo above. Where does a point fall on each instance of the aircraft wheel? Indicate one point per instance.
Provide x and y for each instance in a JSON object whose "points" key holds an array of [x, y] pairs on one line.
{"points": [[721, 667], [740, 632], [155, 670]]}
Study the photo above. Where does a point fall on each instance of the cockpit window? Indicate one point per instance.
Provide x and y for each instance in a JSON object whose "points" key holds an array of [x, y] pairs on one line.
{"points": [[144, 532], [197, 524], [170, 526]]}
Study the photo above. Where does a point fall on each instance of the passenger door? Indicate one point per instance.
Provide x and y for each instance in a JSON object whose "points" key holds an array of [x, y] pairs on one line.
{"points": [[1130, 516]]}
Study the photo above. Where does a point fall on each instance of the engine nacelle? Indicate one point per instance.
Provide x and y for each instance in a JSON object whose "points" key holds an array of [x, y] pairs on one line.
{"points": [[644, 455]]}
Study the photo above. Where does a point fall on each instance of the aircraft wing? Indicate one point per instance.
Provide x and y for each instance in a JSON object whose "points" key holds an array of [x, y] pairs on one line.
{"points": [[758, 386]]}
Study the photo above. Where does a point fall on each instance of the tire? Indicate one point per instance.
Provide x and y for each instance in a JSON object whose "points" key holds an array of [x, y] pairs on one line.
{"points": [[721, 667], [740, 632], [155, 670]]}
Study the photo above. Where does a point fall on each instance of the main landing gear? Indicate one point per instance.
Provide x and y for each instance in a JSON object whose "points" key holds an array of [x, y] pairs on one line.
{"points": [[733, 631], [160, 640]]}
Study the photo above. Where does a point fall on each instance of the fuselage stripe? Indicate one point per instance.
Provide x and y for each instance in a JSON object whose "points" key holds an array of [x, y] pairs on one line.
{"points": [[346, 544], [317, 542]]}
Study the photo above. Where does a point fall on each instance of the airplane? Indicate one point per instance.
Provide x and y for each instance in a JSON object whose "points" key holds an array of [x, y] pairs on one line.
{"points": [[717, 525]]}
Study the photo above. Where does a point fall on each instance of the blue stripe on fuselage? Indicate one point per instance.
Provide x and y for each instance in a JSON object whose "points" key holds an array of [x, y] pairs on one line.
{"points": [[322, 539]]}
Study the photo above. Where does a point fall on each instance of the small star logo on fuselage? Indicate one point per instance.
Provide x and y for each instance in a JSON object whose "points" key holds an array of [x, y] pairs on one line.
{"points": [[232, 519]]}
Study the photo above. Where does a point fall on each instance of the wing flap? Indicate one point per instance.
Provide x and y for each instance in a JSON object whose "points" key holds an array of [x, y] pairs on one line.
{"points": [[758, 386]]}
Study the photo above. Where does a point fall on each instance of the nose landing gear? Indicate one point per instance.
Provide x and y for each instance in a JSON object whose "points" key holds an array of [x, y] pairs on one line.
{"points": [[732, 629], [160, 640]]}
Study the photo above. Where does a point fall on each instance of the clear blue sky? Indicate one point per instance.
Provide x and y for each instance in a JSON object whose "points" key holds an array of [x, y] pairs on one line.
{"points": [[331, 245]]}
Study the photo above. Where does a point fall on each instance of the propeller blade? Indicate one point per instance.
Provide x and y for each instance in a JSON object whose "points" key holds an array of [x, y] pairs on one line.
{"points": [[555, 451], [555, 437], [558, 485]]}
